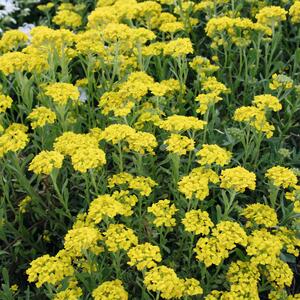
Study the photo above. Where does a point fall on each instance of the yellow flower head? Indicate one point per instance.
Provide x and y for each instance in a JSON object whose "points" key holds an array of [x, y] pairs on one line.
{"points": [[210, 154], [110, 290], [41, 116]]}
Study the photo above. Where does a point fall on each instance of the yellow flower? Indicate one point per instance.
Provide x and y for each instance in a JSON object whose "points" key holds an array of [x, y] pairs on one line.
{"points": [[238, 179], [86, 158], [61, 92], [197, 222], [5, 103], [110, 290], [271, 15], [179, 47], [281, 176], [263, 247], [210, 154], [179, 144], [165, 281], [163, 212], [118, 236], [177, 123], [196, 183], [45, 162], [260, 214], [12, 40], [67, 18], [281, 81], [267, 101], [144, 256], [50, 269], [41, 116], [82, 239], [294, 12]]}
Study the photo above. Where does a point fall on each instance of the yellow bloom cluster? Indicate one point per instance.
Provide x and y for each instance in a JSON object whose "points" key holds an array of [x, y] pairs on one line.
{"points": [[163, 211], [67, 19], [82, 239], [24, 204], [111, 205], [260, 214], [141, 184], [45, 162], [263, 247], [267, 101], [238, 30], [255, 117], [13, 139], [118, 236], [203, 66], [61, 92], [179, 47], [196, 183], [281, 176], [12, 39], [73, 293], [224, 238], [281, 81], [132, 140], [83, 149], [179, 144], [5, 103], [110, 290], [177, 123], [294, 12], [238, 179], [213, 89], [210, 154], [41, 116], [50, 269], [271, 15], [197, 222], [144, 256], [165, 281]]}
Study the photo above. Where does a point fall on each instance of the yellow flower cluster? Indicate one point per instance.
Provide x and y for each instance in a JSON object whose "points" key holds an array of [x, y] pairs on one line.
{"points": [[177, 123], [196, 183], [281, 81], [163, 211], [144, 256], [24, 204], [45, 162], [5, 103], [83, 149], [210, 154], [178, 48], [224, 238], [61, 92], [213, 89], [203, 66], [41, 116], [141, 184], [12, 39], [82, 239], [50, 269], [118, 236], [165, 281], [67, 19], [271, 15], [260, 214], [110, 290], [197, 222], [13, 139], [111, 205], [238, 179], [132, 140], [267, 102], [281, 176], [294, 12], [179, 144], [238, 30]]}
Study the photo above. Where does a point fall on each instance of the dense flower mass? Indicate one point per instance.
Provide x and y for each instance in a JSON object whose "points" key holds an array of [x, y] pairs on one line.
{"points": [[149, 149]]}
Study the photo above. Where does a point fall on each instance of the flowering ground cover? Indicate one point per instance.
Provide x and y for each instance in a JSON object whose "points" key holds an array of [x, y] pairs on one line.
{"points": [[150, 150]]}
